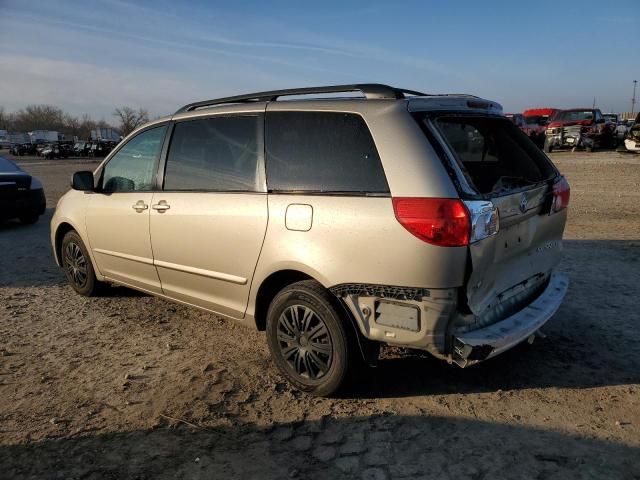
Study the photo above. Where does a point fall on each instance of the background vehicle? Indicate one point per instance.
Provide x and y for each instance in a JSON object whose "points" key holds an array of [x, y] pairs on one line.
{"points": [[81, 149], [21, 195], [65, 149], [442, 234], [40, 146], [632, 140], [52, 151], [579, 127], [516, 118], [100, 148], [622, 129], [22, 149], [533, 123]]}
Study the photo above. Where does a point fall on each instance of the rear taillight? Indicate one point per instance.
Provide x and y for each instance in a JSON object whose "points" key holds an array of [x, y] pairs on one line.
{"points": [[561, 193], [440, 221]]}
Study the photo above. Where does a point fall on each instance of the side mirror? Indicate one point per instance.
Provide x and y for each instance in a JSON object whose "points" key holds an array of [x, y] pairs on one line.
{"points": [[82, 181]]}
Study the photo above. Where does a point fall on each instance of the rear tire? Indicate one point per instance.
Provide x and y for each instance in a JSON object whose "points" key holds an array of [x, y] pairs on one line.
{"points": [[308, 339], [77, 266]]}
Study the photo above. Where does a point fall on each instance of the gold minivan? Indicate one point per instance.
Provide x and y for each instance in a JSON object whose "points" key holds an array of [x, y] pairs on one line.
{"points": [[334, 223]]}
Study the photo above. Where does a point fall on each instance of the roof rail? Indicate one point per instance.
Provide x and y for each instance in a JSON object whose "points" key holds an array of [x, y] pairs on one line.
{"points": [[369, 90]]}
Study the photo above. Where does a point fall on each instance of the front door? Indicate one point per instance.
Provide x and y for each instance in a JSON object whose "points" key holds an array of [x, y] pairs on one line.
{"points": [[118, 214], [209, 221]]}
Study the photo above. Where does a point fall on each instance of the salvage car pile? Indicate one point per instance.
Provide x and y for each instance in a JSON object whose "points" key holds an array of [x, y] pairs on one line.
{"points": [[578, 128]]}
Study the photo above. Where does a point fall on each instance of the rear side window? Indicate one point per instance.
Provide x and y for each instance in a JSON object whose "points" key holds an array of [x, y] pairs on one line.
{"points": [[322, 152], [494, 153], [213, 154]]}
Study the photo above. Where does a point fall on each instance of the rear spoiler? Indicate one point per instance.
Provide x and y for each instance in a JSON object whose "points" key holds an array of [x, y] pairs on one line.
{"points": [[454, 103]]}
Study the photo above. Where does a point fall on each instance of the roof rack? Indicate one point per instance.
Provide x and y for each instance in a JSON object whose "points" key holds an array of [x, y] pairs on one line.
{"points": [[369, 90]]}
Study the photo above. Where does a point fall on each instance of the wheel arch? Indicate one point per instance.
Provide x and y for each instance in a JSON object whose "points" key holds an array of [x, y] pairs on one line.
{"points": [[268, 289], [279, 280], [62, 229], [65, 226]]}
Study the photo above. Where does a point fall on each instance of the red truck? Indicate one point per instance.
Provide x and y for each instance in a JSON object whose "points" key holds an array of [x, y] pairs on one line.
{"points": [[579, 127]]}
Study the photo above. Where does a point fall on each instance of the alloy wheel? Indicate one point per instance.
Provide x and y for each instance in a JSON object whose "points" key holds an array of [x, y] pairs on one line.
{"points": [[75, 264], [305, 342]]}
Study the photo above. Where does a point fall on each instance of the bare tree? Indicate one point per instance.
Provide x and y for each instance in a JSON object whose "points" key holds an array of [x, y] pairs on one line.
{"points": [[39, 117], [130, 119], [4, 119], [71, 125]]}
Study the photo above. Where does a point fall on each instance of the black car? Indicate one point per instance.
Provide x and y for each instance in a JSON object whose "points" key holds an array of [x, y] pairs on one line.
{"points": [[20, 149], [21, 195]]}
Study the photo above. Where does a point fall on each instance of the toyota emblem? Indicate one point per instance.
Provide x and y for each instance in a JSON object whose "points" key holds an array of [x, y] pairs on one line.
{"points": [[523, 203]]}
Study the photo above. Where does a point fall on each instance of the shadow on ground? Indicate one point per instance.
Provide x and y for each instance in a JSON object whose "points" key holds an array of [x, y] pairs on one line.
{"points": [[360, 447]]}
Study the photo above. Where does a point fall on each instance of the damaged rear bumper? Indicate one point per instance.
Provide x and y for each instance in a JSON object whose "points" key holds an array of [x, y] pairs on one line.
{"points": [[477, 345]]}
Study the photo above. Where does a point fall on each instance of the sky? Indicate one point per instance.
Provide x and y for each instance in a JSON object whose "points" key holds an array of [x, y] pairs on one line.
{"points": [[91, 56]]}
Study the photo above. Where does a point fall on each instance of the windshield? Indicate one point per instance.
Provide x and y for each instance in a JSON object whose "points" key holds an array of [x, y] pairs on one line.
{"points": [[574, 115], [611, 118], [535, 120]]}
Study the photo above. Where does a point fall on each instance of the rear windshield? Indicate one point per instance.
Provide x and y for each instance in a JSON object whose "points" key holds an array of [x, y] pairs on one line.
{"points": [[493, 153]]}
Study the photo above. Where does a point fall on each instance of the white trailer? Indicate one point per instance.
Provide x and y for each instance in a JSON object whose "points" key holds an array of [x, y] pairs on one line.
{"points": [[105, 134], [43, 136]]}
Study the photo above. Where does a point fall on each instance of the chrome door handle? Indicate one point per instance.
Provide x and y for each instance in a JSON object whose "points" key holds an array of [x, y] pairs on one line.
{"points": [[161, 206], [140, 206]]}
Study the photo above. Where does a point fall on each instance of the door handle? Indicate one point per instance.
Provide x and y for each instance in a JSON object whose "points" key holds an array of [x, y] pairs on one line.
{"points": [[161, 206], [140, 206]]}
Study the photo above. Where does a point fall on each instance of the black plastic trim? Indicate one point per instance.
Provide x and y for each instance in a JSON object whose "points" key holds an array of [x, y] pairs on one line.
{"points": [[383, 291]]}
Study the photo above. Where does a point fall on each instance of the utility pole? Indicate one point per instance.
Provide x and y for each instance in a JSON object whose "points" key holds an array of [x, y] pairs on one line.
{"points": [[633, 99], [594, 103]]}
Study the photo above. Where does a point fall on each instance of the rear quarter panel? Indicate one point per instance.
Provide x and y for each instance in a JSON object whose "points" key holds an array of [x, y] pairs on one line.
{"points": [[354, 240]]}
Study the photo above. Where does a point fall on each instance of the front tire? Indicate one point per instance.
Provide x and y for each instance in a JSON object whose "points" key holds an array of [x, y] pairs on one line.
{"points": [[77, 265], [308, 339]]}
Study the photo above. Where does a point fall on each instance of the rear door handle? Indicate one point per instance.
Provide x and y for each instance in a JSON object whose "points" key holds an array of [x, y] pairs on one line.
{"points": [[140, 206], [161, 206]]}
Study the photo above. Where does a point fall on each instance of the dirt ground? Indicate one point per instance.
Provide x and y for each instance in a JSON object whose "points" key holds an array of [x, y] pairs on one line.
{"points": [[132, 386]]}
